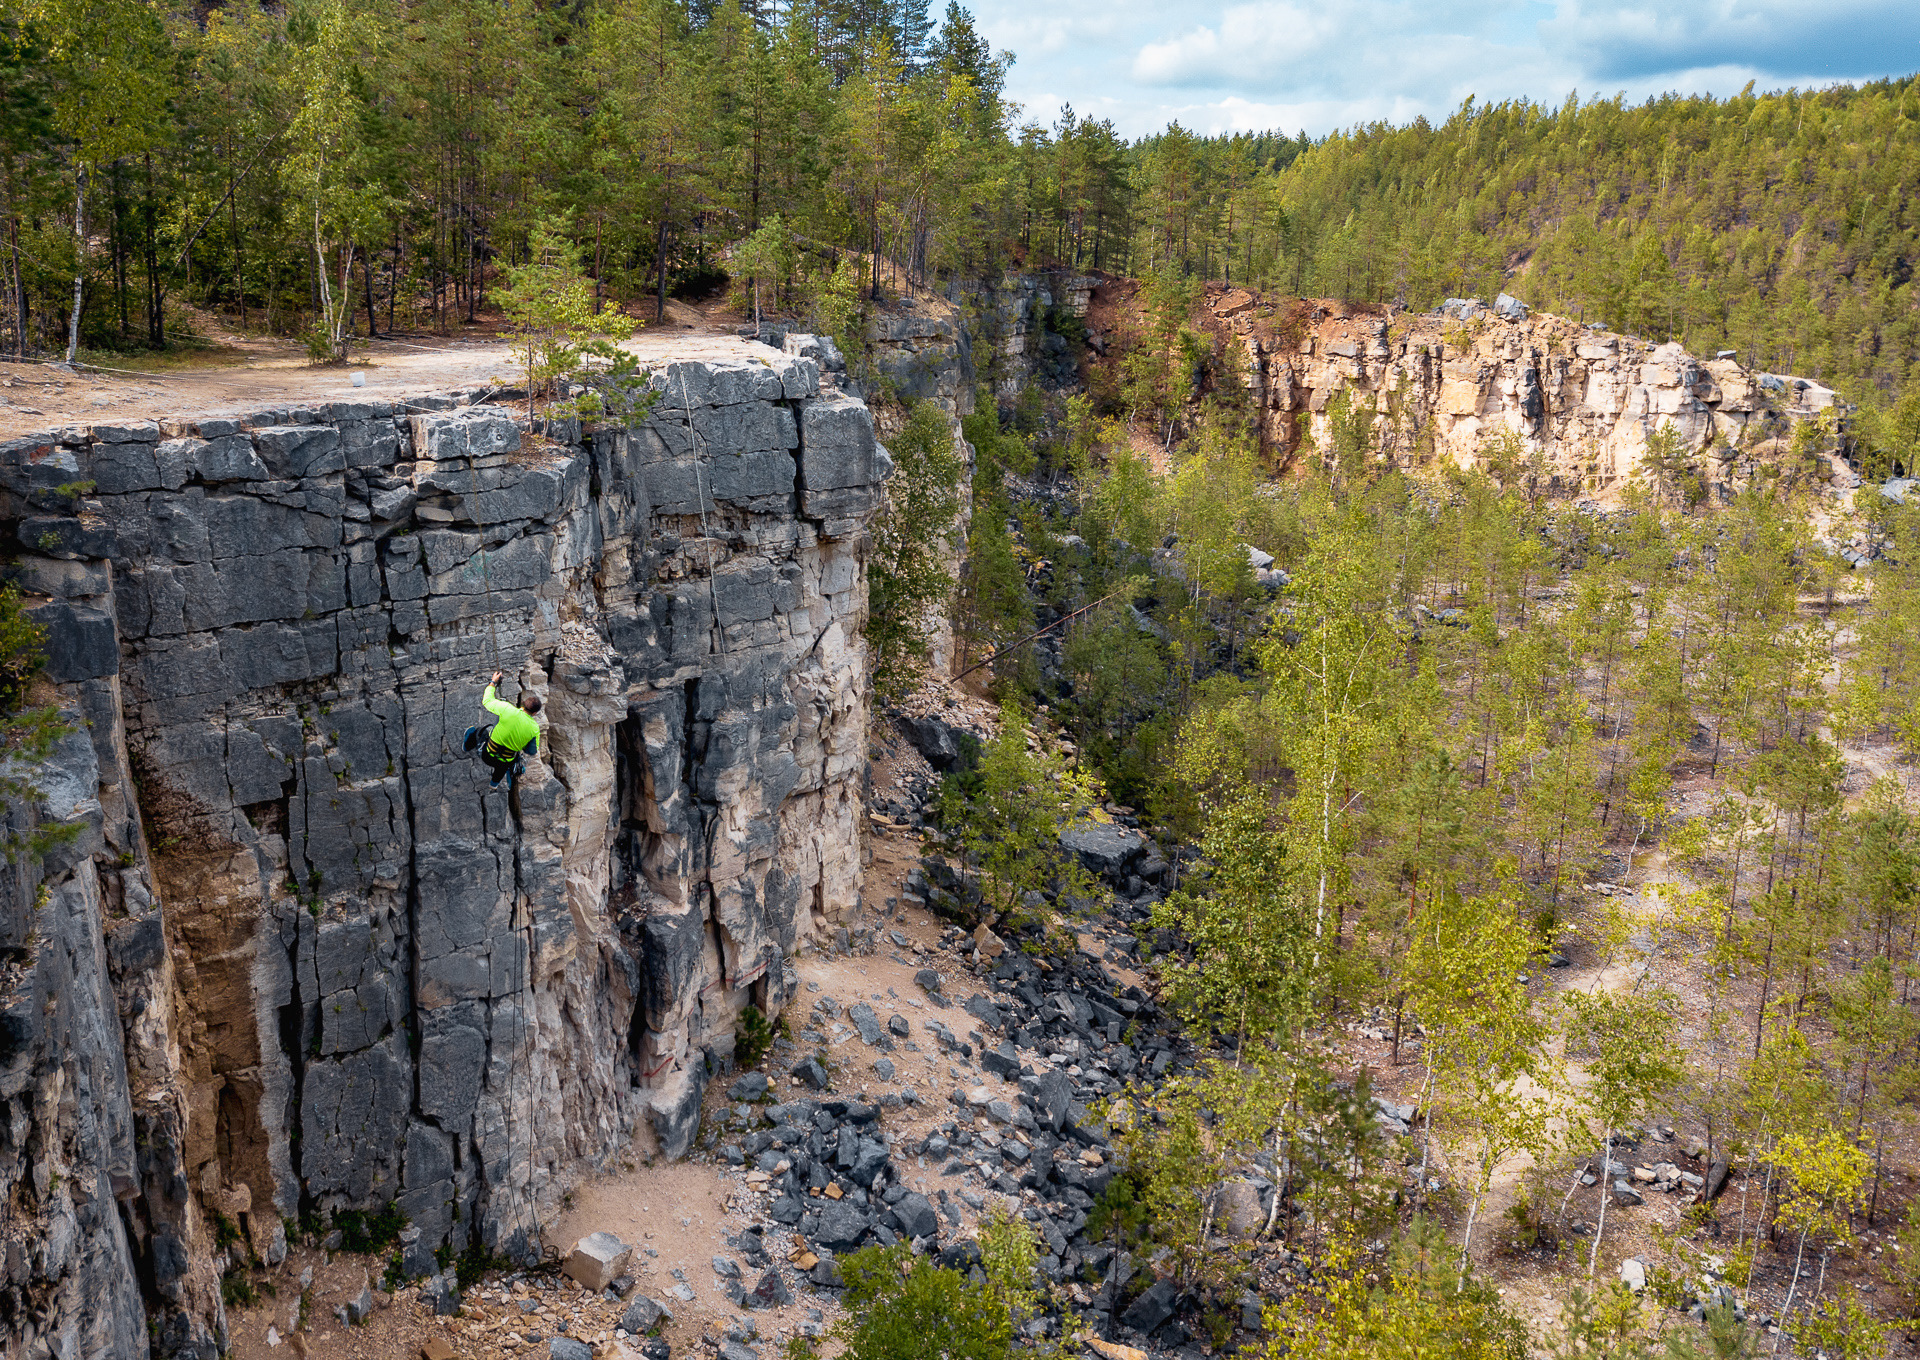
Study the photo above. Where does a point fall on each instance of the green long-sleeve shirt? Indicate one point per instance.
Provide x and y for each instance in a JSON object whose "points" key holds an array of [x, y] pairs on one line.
{"points": [[517, 729]]}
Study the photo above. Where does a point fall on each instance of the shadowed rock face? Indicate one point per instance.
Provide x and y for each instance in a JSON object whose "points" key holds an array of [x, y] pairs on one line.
{"points": [[302, 957]]}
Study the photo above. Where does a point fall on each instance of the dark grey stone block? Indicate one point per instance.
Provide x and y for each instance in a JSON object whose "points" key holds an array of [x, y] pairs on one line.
{"points": [[230, 458], [80, 641], [300, 450]]}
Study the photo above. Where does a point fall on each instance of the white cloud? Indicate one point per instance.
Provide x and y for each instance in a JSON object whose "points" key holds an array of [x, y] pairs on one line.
{"points": [[1638, 40], [1325, 64]]}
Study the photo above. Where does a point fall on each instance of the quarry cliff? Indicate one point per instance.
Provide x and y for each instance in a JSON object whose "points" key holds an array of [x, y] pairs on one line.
{"points": [[1447, 387], [301, 958]]}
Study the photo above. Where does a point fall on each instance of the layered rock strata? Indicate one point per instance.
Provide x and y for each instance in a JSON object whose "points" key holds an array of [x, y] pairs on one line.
{"points": [[300, 957]]}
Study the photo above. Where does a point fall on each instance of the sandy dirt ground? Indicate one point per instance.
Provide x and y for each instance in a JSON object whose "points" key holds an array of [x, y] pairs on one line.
{"points": [[248, 373]]}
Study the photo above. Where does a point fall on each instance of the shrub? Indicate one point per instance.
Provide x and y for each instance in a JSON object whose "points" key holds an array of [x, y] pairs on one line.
{"points": [[902, 1307]]}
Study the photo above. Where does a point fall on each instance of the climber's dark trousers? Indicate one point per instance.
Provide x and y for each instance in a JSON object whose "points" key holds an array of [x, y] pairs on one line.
{"points": [[502, 762]]}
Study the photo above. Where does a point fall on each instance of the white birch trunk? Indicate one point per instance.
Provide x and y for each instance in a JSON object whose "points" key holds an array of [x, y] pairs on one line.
{"points": [[79, 257]]}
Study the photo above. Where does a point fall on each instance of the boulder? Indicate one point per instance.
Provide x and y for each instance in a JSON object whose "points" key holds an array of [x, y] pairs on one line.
{"points": [[1051, 1092], [1153, 1307], [771, 1292], [1002, 1060], [1236, 1209], [750, 1086], [675, 1107], [916, 1214], [1633, 1274], [596, 1260], [567, 1348], [1104, 848], [441, 1293], [932, 738], [868, 1024], [842, 1226], [644, 1314]]}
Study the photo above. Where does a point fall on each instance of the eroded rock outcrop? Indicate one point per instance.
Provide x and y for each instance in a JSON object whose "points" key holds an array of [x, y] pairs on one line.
{"points": [[302, 957], [1442, 386]]}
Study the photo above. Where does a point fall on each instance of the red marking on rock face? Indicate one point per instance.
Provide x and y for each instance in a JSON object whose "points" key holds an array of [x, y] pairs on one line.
{"points": [[38, 452]]}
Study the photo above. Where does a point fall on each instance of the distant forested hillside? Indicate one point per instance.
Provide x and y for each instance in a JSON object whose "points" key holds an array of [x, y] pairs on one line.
{"points": [[1781, 225]]}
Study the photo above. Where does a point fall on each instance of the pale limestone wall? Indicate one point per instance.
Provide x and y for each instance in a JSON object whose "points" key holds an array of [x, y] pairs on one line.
{"points": [[1585, 400]]}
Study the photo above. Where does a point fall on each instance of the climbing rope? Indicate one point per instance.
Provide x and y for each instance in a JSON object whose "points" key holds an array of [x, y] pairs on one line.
{"points": [[524, 954], [522, 1211], [706, 532], [486, 575]]}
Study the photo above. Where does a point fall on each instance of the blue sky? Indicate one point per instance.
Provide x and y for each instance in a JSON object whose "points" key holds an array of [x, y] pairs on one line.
{"points": [[1326, 64]]}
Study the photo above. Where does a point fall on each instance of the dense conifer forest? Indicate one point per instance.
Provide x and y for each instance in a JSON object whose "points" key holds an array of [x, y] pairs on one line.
{"points": [[343, 167]]}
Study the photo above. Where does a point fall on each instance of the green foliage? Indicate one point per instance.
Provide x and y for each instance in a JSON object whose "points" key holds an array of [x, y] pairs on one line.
{"points": [[1010, 1256], [1842, 1328], [1122, 689], [21, 657], [1418, 1307], [1629, 1045], [1603, 1326], [910, 574], [369, 1231], [994, 609], [1119, 1216], [237, 1289], [1350, 438], [902, 1307], [557, 332], [1252, 962], [766, 258], [754, 1036], [1623, 212], [27, 734], [1902, 1267], [1005, 818]]}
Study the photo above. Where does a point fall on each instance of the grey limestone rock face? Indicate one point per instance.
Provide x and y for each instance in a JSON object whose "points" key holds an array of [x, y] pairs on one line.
{"points": [[339, 968]]}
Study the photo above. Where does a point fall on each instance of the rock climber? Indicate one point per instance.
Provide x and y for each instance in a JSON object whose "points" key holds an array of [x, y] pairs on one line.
{"points": [[517, 731]]}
